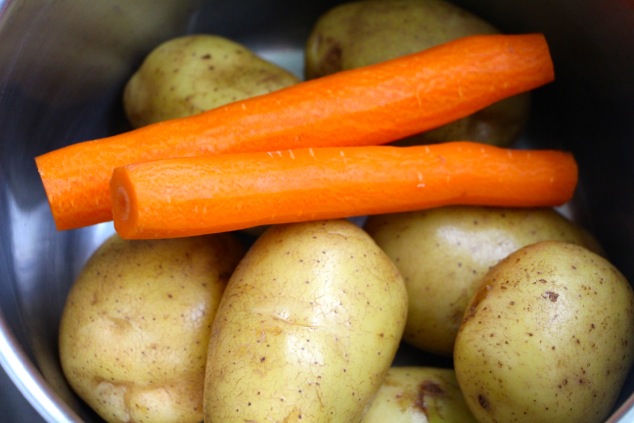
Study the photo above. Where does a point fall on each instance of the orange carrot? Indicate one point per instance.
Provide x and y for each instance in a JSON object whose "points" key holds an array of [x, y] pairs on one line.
{"points": [[199, 195], [365, 106]]}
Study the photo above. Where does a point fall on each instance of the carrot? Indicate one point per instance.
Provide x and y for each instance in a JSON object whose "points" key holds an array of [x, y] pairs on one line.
{"points": [[199, 195], [365, 106]]}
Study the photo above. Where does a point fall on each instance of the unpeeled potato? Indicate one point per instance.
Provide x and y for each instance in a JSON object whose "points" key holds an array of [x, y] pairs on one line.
{"points": [[193, 73], [443, 253], [307, 328], [547, 337], [135, 328], [419, 395], [365, 32]]}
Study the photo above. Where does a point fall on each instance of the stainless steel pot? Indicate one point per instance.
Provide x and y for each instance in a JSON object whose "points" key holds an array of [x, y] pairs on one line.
{"points": [[62, 67]]}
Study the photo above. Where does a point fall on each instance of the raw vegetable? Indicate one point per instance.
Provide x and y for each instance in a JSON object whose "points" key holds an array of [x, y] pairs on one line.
{"points": [[189, 196], [547, 337], [371, 105], [419, 394], [135, 327], [194, 73], [307, 328]]}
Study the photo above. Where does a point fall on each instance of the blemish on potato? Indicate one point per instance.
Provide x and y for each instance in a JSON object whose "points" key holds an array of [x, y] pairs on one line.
{"points": [[552, 296], [483, 401]]}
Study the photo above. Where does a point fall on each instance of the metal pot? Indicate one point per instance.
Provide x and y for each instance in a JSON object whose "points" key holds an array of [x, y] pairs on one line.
{"points": [[62, 68]]}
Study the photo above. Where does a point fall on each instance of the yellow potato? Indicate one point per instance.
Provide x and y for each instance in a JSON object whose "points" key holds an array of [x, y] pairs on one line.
{"points": [[193, 73], [442, 253], [135, 328], [419, 395], [307, 328], [365, 32], [548, 337]]}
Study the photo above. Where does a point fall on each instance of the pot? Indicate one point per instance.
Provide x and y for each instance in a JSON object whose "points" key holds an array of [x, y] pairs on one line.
{"points": [[63, 66]]}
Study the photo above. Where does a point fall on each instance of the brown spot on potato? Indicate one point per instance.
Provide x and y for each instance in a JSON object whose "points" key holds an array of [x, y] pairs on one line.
{"points": [[552, 296], [427, 389], [483, 401], [479, 296], [332, 59]]}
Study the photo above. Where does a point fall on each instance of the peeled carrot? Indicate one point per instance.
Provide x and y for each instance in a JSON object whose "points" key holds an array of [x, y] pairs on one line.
{"points": [[200, 195], [365, 106]]}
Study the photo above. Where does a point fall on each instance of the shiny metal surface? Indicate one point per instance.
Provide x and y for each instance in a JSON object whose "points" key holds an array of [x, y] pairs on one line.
{"points": [[62, 67]]}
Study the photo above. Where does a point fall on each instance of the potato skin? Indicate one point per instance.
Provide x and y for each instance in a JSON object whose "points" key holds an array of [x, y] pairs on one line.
{"points": [[548, 337], [442, 253], [419, 395], [135, 327], [307, 328], [365, 32], [193, 73]]}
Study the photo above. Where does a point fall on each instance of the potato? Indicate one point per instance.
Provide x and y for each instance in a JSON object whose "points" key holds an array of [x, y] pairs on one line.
{"points": [[442, 253], [365, 32], [135, 328], [193, 73], [548, 337], [307, 328], [419, 395]]}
